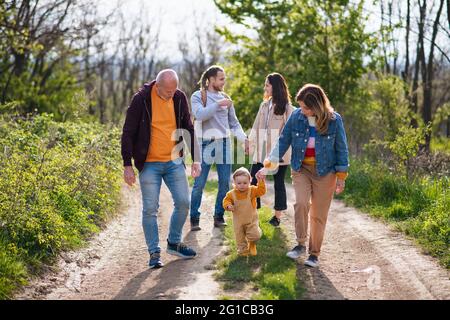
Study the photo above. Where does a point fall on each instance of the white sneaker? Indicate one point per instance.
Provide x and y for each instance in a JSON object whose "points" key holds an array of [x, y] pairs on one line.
{"points": [[296, 252], [312, 261]]}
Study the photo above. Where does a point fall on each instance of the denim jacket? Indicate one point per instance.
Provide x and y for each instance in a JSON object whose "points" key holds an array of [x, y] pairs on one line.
{"points": [[331, 148]]}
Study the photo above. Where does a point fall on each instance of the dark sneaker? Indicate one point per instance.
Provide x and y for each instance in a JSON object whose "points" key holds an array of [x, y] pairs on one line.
{"points": [[312, 261], [181, 250], [195, 225], [219, 222], [296, 252], [275, 222], [155, 261]]}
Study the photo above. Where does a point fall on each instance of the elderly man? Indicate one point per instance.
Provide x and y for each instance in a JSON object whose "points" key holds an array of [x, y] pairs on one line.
{"points": [[158, 121]]}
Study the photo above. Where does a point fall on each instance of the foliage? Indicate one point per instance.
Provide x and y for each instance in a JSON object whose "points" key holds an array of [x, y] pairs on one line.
{"points": [[306, 41], [58, 184], [419, 208]]}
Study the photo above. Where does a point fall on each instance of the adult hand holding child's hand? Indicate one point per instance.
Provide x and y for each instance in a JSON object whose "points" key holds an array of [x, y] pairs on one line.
{"points": [[261, 174]]}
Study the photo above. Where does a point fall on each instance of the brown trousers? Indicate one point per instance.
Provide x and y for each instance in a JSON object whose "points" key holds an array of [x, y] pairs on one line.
{"points": [[313, 196], [245, 222]]}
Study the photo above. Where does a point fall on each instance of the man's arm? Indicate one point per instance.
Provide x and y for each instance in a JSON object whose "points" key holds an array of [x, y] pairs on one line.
{"points": [[235, 126], [200, 112], [186, 124], [130, 127]]}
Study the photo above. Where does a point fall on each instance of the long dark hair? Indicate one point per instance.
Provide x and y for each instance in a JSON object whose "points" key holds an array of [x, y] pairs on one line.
{"points": [[280, 93], [210, 72]]}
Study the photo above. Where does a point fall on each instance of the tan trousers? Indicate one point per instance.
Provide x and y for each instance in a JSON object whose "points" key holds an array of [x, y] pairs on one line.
{"points": [[315, 193], [245, 222]]}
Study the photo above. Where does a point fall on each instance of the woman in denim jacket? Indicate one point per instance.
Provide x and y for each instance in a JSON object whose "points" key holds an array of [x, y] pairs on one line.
{"points": [[319, 165]]}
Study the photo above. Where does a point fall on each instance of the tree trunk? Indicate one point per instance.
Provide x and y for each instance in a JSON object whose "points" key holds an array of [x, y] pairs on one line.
{"points": [[428, 78]]}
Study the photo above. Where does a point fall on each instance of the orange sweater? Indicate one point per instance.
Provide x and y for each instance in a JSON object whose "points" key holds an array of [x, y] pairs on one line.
{"points": [[256, 192], [163, 125]]}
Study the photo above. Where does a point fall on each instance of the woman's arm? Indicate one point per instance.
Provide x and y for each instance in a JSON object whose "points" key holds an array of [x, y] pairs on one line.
{"points": [[341, 148], [253, 133], [284, 141]]}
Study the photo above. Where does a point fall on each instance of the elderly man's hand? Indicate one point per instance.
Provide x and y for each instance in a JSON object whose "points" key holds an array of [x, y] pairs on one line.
{"points": [[129, 176]]}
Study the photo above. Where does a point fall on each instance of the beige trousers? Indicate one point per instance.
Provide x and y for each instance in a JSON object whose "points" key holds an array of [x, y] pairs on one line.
{"points": [[245, 222], [313, 196]]}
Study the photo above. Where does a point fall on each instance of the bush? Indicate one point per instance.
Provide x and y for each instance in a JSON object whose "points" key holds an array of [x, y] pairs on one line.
{"points": [[419, 207], [58, 184]]}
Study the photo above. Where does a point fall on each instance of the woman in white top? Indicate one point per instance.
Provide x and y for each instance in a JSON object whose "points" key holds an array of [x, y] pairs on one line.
{"points": [[270, 120]]}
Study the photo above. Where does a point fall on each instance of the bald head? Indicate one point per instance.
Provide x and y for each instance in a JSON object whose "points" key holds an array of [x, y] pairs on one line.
{"points": [[166, 83], [166, 75]]}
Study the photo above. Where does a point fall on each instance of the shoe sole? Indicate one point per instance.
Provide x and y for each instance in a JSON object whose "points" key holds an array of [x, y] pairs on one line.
{"points": [[293, 256], [156, 266], [176, 253], [311, 264]]}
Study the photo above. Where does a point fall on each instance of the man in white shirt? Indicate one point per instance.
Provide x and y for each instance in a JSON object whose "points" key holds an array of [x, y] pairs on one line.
{"points": [[215, 120]]}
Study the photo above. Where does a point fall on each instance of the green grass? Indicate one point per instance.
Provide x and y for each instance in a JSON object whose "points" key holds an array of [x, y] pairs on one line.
{"points": [[419, 208], [271, 274], [441, 144], [210, 187]]}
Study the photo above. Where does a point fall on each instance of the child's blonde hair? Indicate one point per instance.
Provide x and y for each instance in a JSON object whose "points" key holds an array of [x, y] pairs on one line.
{"points": [[242, 172]]}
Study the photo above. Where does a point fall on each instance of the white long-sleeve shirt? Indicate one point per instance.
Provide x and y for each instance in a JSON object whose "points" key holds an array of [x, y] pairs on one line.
{"points": [[214, 121]]}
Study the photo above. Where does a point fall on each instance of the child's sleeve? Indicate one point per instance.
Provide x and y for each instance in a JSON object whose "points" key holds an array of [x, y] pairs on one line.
{"points": [[260, 189], [227, 200]]}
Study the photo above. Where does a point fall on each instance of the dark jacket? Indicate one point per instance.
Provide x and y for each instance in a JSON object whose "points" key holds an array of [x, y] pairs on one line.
{"points": [[136, 133]]}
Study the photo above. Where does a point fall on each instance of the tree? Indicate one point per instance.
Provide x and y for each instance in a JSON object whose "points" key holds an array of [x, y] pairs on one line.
{"points": [[323, 42]]}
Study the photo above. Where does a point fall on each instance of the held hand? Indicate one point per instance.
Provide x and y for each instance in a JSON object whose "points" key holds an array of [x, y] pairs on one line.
{"points": [[247, 147], [225, 103], [261, 174], [128, 175], [196, 170], [340, 186], [230, 208]]}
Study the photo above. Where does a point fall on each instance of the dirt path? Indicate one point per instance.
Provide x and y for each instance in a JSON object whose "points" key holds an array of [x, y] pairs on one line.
{"points": [[114, 266], [365, 259], [361, 259]]}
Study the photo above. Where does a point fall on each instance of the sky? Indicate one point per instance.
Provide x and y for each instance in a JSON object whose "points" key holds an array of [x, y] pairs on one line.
{"points": [[177, 18]]}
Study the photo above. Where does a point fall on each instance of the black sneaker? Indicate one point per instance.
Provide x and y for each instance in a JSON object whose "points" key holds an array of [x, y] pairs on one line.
{"points": [[219, 222], [155, 261], [181, 250], [312, 261], [296, 252], [195, 225], [275, 222]]}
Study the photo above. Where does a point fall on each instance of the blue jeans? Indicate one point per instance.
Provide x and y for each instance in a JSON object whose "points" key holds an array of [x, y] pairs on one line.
{"points": [[150, 178], [218, 152]]}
